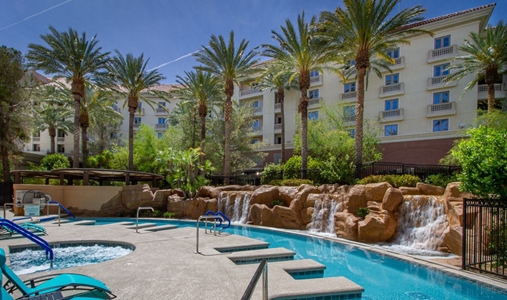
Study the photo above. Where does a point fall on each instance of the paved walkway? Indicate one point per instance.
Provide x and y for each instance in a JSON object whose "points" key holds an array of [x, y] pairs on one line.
{"points": [[164, 265]]}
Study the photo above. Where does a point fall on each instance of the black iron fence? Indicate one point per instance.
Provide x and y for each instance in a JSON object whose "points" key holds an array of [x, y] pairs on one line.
{"points": [[485, 235], [5, 192], [422, 171]]}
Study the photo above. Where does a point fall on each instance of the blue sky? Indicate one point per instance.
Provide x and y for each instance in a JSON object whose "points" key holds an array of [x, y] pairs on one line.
{"points": [[167, 31]]}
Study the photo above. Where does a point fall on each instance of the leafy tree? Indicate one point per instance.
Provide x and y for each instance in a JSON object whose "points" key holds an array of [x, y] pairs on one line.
{"points": [[120, 160], [484, 162], [366, 29], [15, 113], [183, 126], [485, 58], [200, 89], [146, 148], [73, 57], [301, 52], [52, 109], [277, 78], [231, 66], [129, 77], [54, 161], [101, 160]]}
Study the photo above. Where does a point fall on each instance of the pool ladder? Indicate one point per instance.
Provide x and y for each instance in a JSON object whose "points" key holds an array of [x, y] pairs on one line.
{"points": [[137, 217]]}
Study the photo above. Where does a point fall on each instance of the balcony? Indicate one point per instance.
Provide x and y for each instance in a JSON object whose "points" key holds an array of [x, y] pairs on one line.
{"points": [[439, 82], [278, 126], [36, 139], [60, 139], [349, 120], [278, 106], [161, 111], [314, 102], [257, 110], [137, 125], [391, 115], [399, 63], [139, 111], [160, 126], [349, 97], [257, 128], [116, 108], [482, 91], [392, 90], [442, 53], [249, 92], [442, 109], [316, 80]]}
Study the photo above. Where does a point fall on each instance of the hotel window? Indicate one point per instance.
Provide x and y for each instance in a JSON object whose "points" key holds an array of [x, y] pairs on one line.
{"points": [[278, 119], [255, 104], [60, 149], [349, 87], [254, 141], [441, 97], [159, 135], [313, 94], [391, 104], [391, 129], [393, 53], [278, 139], [349, 111], [392, 79], [314, 73], [161, 104], [313, 115], [255, 125], [161, 121], [137, 120], [440, 70], [114, 135], [443, 42], [441, 125], [352, 132], [60, 133]]}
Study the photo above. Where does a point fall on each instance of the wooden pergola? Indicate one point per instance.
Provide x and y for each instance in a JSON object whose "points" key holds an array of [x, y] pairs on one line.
{"points": [[87, 174]]}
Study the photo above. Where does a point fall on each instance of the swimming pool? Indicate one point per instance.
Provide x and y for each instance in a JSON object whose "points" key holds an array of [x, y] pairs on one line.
{"points": [[382, 276], [28, 260]]}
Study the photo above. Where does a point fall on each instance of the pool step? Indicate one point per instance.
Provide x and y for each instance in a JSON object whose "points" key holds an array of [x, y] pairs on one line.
{"points": [[243, 247], [123, 223], [255, 256], [161, 227], [84, 222], [143, 225], [301, 268]]}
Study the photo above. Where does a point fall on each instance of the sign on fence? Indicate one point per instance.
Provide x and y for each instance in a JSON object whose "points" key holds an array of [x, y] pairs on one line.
{"points": [[32, 210]]}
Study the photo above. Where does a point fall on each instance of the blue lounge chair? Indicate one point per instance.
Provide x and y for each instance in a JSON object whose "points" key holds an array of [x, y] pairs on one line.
{"points": [[77, 286], [7, 232]]}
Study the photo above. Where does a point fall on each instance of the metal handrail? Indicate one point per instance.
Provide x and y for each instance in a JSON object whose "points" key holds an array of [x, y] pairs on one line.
{"points": [[214, 218], [63, 207], [141, 208], [262, 269], [47, 205]]}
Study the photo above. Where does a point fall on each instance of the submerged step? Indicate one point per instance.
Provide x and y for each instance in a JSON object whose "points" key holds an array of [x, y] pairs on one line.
{"points": [[163, 227], [255, 256], [143, 225], [302, 268], [84, 222], [243, 247]]}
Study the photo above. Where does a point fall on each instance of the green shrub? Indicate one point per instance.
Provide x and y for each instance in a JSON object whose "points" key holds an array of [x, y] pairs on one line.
{"points": [[292, 169], [157, 213], [441, 179], [277, 202], [271, 173], [362, 212], [394, 180], [296, 182], [169, 215], [276, 182]]}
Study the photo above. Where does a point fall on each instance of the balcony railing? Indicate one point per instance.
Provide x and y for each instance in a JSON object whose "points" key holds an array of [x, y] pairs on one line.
{"points": [[278, 105], [391, 115], [160, 126], [399, 63], [315, 80], [247, 92], [482, 91], [442, 53], [257, 109], [60, 139], [161, 110], [484, 87], [278, 126], [439, 82], [36, 138], [139, 111], [441, 109], [315, 101], [256, 128], [348, 96], [392, 89]]}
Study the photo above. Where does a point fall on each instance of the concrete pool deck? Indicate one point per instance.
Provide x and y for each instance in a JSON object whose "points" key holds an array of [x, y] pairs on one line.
{"points": [[164, 265]]}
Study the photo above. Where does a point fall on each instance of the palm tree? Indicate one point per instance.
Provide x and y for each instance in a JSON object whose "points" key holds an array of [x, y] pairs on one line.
{"points": [[486, 58], [53, 108], [200, 88], [277, 78], [300, 52], [128, 77], [73, 57], [95, 108], [231, 66], [366, 29]]}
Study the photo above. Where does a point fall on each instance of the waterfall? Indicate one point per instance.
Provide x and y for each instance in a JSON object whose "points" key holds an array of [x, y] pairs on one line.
{"points": [[421, 224], [323, 216], [236, 210], [236, 214], [245, 210]]}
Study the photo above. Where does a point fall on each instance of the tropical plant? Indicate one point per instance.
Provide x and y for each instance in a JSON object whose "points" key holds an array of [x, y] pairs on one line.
{"points": [[366, 29], [74, 58], [301, 52], [485, 59], [277, 77], [101, 160], [271, 172], [394, 180], [362, 212], [484, 162], [15, 118], [52, 110], [51, 162], [231, 65], [200, 89], [128, 76]]}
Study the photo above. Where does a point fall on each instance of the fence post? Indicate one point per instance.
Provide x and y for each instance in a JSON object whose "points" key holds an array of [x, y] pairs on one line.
{"points": [[464, 235]]}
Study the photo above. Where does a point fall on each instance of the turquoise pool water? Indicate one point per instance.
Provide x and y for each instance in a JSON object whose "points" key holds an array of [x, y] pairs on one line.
{"points": [[382, 276]]}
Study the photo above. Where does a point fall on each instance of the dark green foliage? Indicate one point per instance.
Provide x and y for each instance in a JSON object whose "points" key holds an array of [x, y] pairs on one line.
{"points": [[362, 212], [441, 179], [394, 180], [54, 161], [271, 173], [277, 202], [483, 158], [169, 215], [295, 182]]}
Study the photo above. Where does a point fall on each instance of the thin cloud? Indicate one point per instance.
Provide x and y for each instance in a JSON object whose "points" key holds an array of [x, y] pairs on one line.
{"points": [[175, 60], [34, 15]]}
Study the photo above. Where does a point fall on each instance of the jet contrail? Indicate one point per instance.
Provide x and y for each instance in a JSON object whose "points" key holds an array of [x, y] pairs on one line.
{"points": [[34, 15], [175, 60]]}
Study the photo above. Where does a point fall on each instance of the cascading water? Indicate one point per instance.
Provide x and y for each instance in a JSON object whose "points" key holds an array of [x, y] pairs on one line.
{"points": [[236, 210], [421, 224], [323, 216]]}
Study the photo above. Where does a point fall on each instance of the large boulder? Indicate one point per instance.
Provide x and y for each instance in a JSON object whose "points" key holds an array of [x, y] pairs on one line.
{"points": [[265, 195], [453, 237], [131, 197], [287, 193], [392, 199], [261, 214], [355, 199], [346, 225], [377, 227], [307, 214], [376, 191], [298, 203], [428, 189], [284, 217], [410, 190]]}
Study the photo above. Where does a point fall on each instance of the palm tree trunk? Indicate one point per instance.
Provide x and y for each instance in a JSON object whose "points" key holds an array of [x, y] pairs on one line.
{"points": [[358, 139], [202, 115], [131, 138], [304, 84], [227, 146], [281, 98], [491, 97], [52, 135], [5, 163], [84, 133], [77, 108]]}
